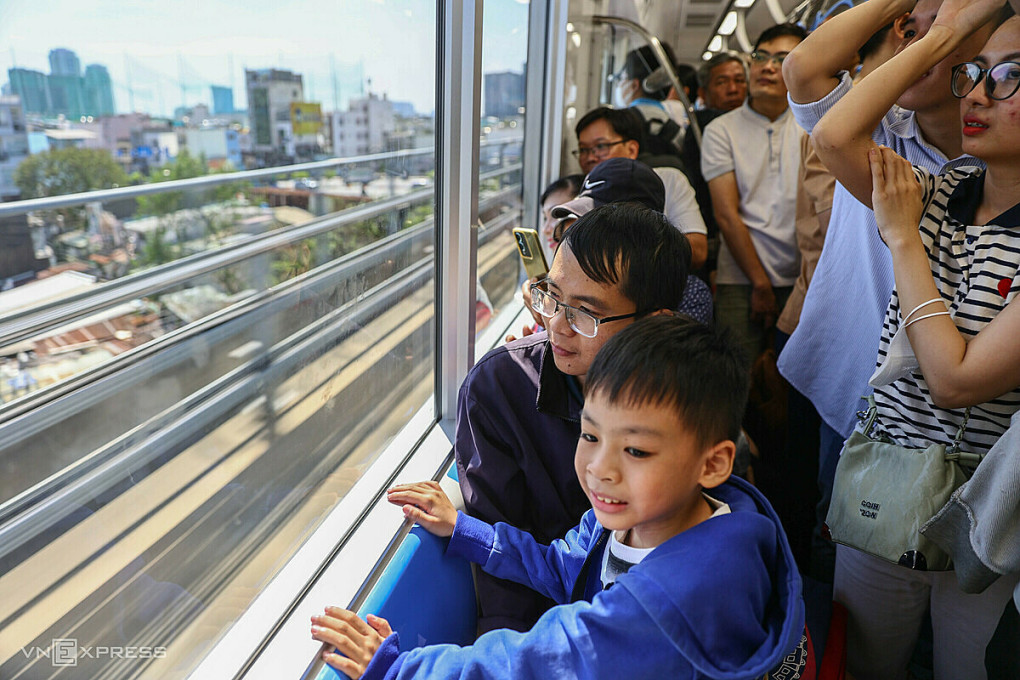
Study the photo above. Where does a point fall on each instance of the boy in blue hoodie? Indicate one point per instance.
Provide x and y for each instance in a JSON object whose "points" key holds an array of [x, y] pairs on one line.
{"points": [[678, 571]]}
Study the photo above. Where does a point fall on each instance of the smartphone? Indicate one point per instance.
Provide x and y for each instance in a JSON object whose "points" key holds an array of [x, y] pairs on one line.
{"points": [[530, 249]]}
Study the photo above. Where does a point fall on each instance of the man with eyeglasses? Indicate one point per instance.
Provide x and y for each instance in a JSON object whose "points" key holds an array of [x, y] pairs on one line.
{"points": [[722, 87], [605, 133], [751, 159], [518, 412], [830, 356]]}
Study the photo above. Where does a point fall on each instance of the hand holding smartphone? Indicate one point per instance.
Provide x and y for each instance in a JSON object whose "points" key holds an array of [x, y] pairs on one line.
{"points": [[530, 250]]}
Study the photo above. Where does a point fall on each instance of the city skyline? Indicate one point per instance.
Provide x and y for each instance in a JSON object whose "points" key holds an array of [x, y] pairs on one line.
{"points": [[149, 68]]}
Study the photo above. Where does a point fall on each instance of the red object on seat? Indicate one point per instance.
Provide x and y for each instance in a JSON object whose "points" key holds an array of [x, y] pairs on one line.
{"points": [[811, 664], [833, 666]]}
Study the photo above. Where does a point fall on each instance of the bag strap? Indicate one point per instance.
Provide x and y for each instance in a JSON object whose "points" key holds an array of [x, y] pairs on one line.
{"points": [[955, 448], [870, 416]]}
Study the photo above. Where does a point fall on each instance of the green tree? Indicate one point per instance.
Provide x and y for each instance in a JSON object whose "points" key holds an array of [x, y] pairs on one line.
{"points": [[185, 166], [68, 171], [167, 204], [156, 249]]}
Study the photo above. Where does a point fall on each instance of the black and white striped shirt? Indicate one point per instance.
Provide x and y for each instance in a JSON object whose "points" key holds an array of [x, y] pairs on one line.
{"points": [[975, 270]]}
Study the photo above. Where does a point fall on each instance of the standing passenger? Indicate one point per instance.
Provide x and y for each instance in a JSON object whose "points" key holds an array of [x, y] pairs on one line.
{"points": [[954, 238], [751, 159], [722, 87], [831, 354]]}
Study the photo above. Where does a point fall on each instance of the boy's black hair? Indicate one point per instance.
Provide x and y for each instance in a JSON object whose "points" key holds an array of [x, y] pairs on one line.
{"points": [[627, 123], [778, 31], [674, 361], [634, 248], [571, 183]]}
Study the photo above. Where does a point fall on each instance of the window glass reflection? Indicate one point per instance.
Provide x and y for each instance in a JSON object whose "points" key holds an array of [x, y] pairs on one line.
{"points": [[194, 371], [500, 205]]}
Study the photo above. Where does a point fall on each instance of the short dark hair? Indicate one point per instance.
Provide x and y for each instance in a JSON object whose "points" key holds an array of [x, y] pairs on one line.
{"points": [[688, 78], [1004, 14], [668, 360], [642, 61], [874, 42], [571, 183], [706, 67], [778, 31], [625, 122], [634, 248]]}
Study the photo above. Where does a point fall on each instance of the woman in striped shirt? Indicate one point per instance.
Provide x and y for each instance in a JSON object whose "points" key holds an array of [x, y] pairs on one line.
{"points": [[955, 245]]}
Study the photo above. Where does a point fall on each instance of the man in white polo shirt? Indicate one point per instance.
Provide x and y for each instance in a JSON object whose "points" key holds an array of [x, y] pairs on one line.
{"points": [[750, 158]]}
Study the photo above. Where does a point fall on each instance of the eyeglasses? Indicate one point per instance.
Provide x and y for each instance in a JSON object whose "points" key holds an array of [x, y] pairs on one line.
{"points": [[581, 321], [761, 56], [599, 150], [1001, 80]]}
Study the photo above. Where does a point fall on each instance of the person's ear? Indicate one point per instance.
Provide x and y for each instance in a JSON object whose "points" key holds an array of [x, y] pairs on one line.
{"points": [[897, 28], [718, 464], [663, 312], [702, 95], [633, 148]]}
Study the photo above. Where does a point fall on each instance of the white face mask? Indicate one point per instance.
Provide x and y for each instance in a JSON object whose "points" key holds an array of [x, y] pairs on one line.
{"points": [[899, 361], [619, 99]]}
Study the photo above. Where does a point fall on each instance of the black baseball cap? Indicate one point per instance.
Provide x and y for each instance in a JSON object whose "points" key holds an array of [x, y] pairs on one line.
{"points": [[616, 180]]}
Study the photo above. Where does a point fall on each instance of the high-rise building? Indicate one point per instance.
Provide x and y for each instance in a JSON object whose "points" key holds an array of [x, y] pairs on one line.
{"points": [[271, 92], [504, 94], [30, 86], [67, 96], [13, 144], [98, 91], [64, 62], [222, 99]]}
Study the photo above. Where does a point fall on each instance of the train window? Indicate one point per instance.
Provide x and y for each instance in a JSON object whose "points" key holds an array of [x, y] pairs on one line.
{"points": [[217, 310], [500, 187]]}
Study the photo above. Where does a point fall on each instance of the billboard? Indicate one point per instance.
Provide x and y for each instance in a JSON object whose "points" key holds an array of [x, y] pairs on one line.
{"points": [[305, 117]]}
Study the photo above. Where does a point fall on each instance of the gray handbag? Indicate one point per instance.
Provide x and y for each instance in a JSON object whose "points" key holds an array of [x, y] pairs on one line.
{"points": [[884, 493]]}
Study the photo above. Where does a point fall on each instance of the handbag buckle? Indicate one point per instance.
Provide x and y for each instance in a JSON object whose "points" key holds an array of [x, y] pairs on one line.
{"points": [[914, 559]]}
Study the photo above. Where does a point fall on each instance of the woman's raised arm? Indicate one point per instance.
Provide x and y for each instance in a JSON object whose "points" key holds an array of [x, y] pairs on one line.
{"points": [[843, 136], [958, 373]]}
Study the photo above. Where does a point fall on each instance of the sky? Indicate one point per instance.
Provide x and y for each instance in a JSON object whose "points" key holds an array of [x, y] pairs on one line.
{"points": [[162, 54]]}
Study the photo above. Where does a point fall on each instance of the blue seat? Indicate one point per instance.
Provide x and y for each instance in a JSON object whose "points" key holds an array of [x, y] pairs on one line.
{"points": [[427, 597]]}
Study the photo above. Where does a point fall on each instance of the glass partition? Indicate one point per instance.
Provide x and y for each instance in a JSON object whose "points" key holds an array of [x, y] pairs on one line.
{"points": [[501, 207]]}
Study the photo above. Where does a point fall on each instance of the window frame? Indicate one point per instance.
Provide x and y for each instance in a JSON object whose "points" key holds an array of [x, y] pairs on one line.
{"points": [[272, 637]]}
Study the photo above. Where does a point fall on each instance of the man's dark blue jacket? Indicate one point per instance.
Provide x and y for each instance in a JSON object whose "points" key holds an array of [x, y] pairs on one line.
{"points": [[518, 420]]}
